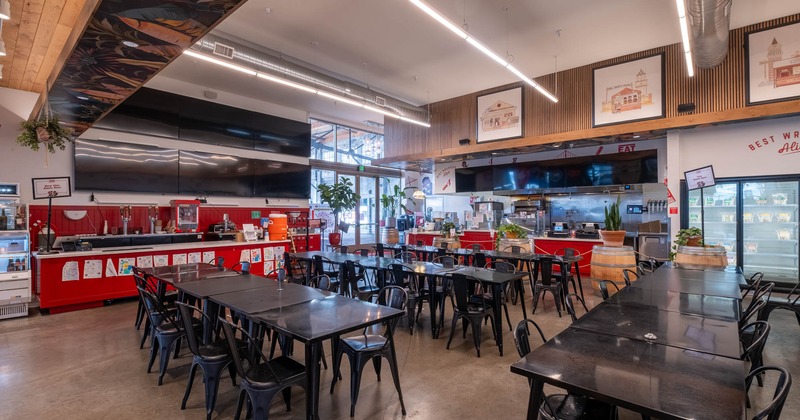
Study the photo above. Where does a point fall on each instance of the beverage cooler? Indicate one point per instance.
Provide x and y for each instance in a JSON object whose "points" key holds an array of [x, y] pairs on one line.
{"points": [[755, 220], [15, 274]]}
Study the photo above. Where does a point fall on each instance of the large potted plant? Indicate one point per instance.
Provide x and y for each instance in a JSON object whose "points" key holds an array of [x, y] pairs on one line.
{"points": [[510, 231], [340, 197], [391, 203], [613, 235]]}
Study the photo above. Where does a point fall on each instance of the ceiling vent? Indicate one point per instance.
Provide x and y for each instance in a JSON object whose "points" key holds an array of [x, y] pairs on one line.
{"points": [[380, 101], [709, 26], [223, 50]]}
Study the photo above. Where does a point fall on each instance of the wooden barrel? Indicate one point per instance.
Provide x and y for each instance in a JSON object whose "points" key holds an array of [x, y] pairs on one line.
{"points": [[507, 243], [608, 263], [452, 243], [390, 235], [701, 258]]}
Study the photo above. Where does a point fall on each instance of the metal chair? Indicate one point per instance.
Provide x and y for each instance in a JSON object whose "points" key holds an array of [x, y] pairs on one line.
{"points": [[364, 252], [784, 382], [406, 256], [261, 379], [570, 276], [356, 282], [547, 283], [322, 282], [217, 262], [571, 305], [244, 267], [468, 311], [752, 351], [603, 285], [363, 348], [629, 276], [561, 406], [416, 293], [445, 261], [476, 247], [504, 267], [295, 271]]}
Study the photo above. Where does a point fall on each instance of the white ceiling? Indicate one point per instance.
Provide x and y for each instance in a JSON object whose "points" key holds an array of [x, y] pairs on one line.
{"points": [[393, 47]]}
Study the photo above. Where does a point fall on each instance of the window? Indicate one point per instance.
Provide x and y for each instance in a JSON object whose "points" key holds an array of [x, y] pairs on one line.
{"points": [[322, 141], [337, 143]]}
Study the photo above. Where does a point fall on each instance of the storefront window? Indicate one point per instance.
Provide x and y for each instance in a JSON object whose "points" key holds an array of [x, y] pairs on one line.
{"points": [[336, 143]]}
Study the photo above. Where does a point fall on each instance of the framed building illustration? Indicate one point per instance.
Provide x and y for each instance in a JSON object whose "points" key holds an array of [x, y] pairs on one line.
{"points": [[773, 64], [630, 91], [500, 115]]}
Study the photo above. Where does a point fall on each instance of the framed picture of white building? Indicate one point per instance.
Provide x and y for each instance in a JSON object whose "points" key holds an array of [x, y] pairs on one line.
{"points": [[629, 91], [773, 64], [500, 115]]}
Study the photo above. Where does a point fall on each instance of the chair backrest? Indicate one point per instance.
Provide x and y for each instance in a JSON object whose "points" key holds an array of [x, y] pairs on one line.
{"points": [[522, 334], [445, 260], [420, 243], [254, 354], [476, 247], [322, 282], [759, 294], [379, 250], [244, 267], [753, 284], [406, 256], [752, 351], [156, 310], [187, 313], [629, 276], [400, 275], [343, 249], [773, 410], [751, 310], [217, 262], [364, 252], [479, 259], [645, 267], [603, 285], [443, 245], [463, 288], [570, 303], [441, 252], [546, 270], [567, 252], [502, 266]]}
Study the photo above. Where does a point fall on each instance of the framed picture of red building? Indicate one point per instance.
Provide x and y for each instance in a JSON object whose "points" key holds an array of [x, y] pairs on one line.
{"points": [[773, 64], [500, 115], [629, 91]]}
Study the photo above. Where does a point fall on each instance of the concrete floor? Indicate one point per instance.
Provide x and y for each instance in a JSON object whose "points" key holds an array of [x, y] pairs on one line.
{"points": [[87, 365]]}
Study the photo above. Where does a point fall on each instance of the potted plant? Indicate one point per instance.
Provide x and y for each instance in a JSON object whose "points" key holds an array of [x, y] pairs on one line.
{"points": [[510, 231], [390, 203], [45, 130], [446, 226], [340, 197], [686, 237], [613, 235]]}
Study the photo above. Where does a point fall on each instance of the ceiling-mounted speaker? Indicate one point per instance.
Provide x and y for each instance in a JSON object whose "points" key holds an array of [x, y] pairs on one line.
{"points": [[686, 107], [464, 142]]}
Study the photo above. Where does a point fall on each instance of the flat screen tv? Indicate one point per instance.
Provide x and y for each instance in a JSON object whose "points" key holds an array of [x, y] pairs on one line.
{"points": [[480, 178], [282, 179], [215, 174], [102, 165]]}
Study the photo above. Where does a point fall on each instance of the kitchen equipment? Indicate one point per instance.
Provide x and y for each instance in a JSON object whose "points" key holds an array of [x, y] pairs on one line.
{"points": [[125, 212], [653, 245], [493, 210], [559, 230], [186, 214]]}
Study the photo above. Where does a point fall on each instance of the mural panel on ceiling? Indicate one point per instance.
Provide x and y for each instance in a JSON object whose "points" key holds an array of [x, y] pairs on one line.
{"points": [[124, 45]]}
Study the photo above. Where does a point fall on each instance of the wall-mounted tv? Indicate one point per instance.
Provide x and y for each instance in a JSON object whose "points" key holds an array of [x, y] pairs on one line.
{"points": [[282, 179], [102, 165], [215, 174], [480, 178]]}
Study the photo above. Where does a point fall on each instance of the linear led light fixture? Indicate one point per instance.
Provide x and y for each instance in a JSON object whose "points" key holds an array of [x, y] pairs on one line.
{"points": [[687, 48], [480, 47], [302, 87]]}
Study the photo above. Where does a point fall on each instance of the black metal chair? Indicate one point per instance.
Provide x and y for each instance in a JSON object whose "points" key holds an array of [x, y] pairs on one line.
{"points": [[261, 379], [243, 267], [505, 267], [167, 298], [547, 283], [406, 257], [790, 302], [752, 351], [212, 358], [322, 282], [364, 252], [645, 267], [218, 262], [476, 247], [603, 285], [571, 305], [420, 243], [363, 348], [479, 259], [343, 249], [414, 285], [629, 276], [466, 310], [561, 406], [569, 275], [761, 293], [356, 282], [323, 265], [380, 250], [295, 271], [782, 385]]}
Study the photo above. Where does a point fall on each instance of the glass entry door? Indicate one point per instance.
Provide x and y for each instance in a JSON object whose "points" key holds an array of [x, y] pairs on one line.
{"points": [[769, 230], [363, 219], [720, 205]]}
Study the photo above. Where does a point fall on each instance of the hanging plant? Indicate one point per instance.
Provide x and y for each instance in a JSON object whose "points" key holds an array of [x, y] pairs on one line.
{"points": [[45, 130]]}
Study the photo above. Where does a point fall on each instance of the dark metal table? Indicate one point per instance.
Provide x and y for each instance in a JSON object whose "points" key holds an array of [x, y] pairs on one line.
{"points": [[694, 286], [667, 273], [692, 332], [687, 303], [317, 320], [656, 380], [269, 297]]}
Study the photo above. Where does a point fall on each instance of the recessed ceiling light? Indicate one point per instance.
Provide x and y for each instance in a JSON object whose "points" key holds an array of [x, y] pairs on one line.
{"points": [[83, 98], [637, 136], [494, 153], [130, 44]]}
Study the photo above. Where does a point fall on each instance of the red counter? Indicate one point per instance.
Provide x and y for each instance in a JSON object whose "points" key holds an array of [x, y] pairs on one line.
{"points": [[70, 281], [467, 238], [583, 246]]}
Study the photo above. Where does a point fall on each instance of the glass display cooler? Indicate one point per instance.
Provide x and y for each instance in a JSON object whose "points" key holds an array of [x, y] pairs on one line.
{"points": [[15, 273], [755, 220], [186, 214]]}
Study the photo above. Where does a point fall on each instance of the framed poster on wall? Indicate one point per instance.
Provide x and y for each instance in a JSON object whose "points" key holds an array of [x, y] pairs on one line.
{"points": [[500, 115], [629, 91], [773, 64]]}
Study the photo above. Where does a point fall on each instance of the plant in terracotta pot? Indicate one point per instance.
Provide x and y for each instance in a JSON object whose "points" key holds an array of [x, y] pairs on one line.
{"points": [[686, 237], [613, 235], [510, 231], [446, 226], [340, 197]]}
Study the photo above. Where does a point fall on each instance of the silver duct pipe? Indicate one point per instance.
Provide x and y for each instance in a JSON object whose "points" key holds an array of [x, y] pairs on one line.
{"points": [[709, 25], [256, 60]]}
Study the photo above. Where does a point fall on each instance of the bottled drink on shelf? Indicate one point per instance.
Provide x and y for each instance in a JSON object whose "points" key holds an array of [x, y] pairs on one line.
{"points": [[10, 266], [3, 220]]}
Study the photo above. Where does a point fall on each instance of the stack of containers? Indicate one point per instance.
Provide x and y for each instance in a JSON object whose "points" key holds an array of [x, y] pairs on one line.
{"points": [[278, 227]]}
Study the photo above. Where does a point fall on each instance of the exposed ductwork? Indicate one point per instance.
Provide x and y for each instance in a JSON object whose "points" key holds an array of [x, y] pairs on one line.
{"points": [[269, 64], [709, 25]]}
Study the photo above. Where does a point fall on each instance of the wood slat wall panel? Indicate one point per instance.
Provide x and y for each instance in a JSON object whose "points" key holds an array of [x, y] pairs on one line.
{"points": [[51, 13], [719, 93]]}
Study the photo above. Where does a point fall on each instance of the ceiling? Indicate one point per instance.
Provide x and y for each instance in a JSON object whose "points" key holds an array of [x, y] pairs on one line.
{"points": [[391, 46]]}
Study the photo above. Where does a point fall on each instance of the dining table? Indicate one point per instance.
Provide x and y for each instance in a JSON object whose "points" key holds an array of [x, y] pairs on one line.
{"points": [[646, 346]]}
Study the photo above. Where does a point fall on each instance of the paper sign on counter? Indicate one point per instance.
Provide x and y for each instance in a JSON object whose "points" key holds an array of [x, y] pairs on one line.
{"points": [[126, 266], [269, 254], [244, 256], [178, 259], [268, 266], [161, 260], [92, 269], [111, 269], [145, 261], [208, 257], [194, 257], [70, 271], [255, 255]]}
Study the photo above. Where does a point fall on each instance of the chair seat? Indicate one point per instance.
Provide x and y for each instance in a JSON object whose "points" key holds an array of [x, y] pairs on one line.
{"points": [[214, 351], [573, 407], [363, 343], [782, 301], [288, 369], [475, 309]]}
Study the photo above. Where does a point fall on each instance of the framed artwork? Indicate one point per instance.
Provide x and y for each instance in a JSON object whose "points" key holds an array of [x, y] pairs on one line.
{"points": [[500, 115], [630, 91], [772, 70]]}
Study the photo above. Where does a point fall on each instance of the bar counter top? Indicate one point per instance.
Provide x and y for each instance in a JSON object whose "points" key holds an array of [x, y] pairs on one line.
{"points": [[159, 248]]}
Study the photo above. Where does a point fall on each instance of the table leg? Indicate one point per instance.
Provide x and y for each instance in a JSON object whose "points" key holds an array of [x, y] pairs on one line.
{"points": [[211, 310], [497, 293], [432, 303], [535, 398], [312, 380], [521, 292], [395, 370]]}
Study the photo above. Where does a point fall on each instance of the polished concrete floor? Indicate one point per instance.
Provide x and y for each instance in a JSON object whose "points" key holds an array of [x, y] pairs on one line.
{"points": [[88, 365]]}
